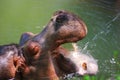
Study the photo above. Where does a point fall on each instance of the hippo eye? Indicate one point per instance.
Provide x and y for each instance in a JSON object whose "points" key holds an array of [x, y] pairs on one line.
{"points": [[84, 65], [32, 48], [61, 18]]}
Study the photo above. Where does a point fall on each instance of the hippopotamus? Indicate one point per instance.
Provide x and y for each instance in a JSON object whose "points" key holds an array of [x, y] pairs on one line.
{"points": [[65, 61], [63, 27], [42, 57]]}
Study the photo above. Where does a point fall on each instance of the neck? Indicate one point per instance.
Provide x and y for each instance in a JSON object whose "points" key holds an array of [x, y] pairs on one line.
{"points": [[44, 68]]}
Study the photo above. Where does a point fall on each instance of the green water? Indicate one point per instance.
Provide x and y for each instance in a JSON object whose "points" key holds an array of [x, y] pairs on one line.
{"points": [[101, 16]]}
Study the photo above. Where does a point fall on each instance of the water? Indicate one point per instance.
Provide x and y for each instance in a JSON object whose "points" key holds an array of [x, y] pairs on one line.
{"points": [[85, 62], [101, 16]]}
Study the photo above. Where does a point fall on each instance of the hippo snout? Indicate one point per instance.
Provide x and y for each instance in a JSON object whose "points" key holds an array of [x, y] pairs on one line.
{"points": [[63, 27]]}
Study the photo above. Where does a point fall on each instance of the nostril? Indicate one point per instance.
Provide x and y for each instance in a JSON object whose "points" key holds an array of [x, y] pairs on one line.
{"points": [[60, 11], [61, 18]]}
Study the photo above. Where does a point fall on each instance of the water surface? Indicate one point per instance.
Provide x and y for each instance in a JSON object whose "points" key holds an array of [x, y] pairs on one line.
{"points": [[102, 18]]}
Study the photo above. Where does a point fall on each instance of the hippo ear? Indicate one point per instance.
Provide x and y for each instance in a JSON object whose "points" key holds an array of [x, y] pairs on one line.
{"points": [[32, 49], [25, 37]]}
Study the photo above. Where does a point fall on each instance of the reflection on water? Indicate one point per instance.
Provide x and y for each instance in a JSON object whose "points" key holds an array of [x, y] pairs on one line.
{"points": [[101, 16]]}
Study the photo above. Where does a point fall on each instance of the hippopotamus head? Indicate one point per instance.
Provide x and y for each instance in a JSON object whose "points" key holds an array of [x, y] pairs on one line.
{"points": [[63, 27]]}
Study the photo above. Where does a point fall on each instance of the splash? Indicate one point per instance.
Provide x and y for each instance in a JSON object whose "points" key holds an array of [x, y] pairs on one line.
{"points": [[75, 47], [85, 63]]}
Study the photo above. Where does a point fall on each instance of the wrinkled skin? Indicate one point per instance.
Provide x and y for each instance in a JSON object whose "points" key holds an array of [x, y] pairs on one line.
{"points": [[63, 64], [10, 60], [40, 61], [63, 27]]}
